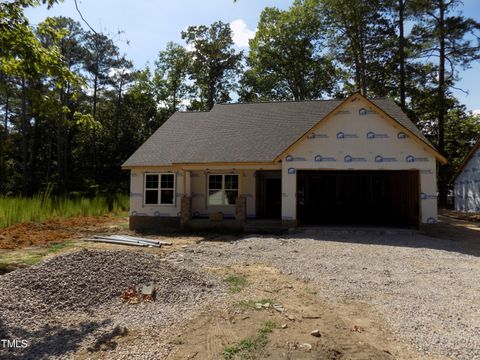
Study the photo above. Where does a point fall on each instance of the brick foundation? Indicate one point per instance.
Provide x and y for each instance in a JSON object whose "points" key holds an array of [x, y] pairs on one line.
{"points": [[241, 209], [289, 223], [186, 210], [154, 223]]}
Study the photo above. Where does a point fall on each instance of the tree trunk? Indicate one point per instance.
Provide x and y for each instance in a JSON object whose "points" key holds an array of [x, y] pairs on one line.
{"points": [[401, 51], [60, 148], [7, 109], [94, 132], [24, 139], [441, 103]]}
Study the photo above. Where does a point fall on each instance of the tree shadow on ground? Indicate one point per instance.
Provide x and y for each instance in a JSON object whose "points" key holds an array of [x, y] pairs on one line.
{"points": [[448, 235], [57, 340]]}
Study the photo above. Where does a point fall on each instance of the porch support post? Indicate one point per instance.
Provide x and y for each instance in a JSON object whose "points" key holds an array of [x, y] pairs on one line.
{"points": [[289, 198], [186, 200], [241, 209]]}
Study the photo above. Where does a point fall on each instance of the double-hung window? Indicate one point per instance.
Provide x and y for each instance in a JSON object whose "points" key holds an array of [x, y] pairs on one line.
{"points": [[159, 189], [222, 189]]}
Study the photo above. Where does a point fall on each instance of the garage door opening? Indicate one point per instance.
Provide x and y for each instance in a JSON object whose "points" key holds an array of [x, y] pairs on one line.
{"points": [[358, 197]]}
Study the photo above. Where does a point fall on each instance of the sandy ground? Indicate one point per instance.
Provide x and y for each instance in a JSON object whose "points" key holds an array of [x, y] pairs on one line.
{"points": [[350, 327]]}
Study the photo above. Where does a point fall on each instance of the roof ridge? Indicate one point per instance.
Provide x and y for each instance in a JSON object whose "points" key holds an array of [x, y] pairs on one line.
{"points": [[277, 101], [294, 101]]}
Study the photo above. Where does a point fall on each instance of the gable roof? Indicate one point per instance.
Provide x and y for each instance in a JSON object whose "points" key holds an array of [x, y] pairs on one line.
{"points": [[466, 159], [245, 132]]}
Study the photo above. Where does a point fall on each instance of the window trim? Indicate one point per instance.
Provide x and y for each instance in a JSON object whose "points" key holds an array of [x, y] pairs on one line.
{"points": [[223, 190], [159, 189]]}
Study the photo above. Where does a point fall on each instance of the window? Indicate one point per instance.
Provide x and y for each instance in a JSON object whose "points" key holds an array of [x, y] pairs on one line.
{"points": [[159, 189], [222, 189]]}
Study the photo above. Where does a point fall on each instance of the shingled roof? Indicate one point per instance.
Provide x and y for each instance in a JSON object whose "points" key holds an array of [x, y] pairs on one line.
{"points": [[248, 132]]}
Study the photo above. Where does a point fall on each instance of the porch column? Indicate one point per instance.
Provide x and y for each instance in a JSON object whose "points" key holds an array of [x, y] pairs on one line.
{"points": [[289, 196], [186, 200]]}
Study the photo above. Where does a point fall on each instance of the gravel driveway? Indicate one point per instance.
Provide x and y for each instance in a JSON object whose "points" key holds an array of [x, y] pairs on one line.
{"points": [[427, 289]]}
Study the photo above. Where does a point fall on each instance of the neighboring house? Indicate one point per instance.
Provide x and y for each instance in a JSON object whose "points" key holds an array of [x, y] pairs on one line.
{"points": [[352, 161], [466, 182]]}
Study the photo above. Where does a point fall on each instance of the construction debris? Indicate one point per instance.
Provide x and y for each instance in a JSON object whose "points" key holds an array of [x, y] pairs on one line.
{"points": [[356, 328], [148, 293], [130, 295], [129, 240]]}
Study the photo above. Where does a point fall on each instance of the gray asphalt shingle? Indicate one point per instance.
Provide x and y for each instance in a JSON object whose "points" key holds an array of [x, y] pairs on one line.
{"points": [[250, 132]]}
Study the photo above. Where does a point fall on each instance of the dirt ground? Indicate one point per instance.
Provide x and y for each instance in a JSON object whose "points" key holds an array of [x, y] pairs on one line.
{"points": [[346, 330], [57, 230], [231, 327]]}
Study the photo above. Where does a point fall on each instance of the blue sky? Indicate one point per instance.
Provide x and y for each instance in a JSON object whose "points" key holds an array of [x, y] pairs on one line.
{"points": [[150, 24]]}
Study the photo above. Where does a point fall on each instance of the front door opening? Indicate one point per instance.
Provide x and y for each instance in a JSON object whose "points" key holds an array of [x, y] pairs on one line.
{"points": [[269, 194]]}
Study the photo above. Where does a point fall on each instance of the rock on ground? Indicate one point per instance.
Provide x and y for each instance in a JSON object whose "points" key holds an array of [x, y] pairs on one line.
{"points": [[73, 301]]}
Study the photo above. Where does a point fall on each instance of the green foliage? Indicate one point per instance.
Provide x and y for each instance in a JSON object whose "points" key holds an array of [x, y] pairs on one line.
{"points": [[246, 348], [287, 58], [43, 207], [251, 304], [361, 36], [215, 64], [170, 78], [236, 283], [73, 108]]}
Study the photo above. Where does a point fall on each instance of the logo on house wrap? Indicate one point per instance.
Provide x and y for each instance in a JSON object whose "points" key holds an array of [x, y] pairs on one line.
{"points": [[349, 159], [402, 135], [373, 135], [411, 159], [292, 171], [363, 111], [136, 213], [425, 196], [342, 135], [381, 159], [320, 158], [293, 158], [431, 220], [317, 136]]}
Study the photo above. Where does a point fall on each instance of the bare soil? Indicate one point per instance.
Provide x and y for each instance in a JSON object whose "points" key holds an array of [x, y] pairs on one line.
{"points": [[55, 230], [349, 330]]}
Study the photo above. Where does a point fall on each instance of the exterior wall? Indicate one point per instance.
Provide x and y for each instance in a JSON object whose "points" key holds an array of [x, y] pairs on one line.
{"points": [[195, 183], [137, 184], [467, 186], [200, 207], [351, 141]]}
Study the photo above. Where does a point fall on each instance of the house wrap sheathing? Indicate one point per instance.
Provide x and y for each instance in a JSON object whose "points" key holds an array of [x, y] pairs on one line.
{"points": [[352, 161]]}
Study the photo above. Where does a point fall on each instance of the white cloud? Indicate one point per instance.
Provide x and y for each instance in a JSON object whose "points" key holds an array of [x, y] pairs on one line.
{"points": [[476, 112], [241, 33]]}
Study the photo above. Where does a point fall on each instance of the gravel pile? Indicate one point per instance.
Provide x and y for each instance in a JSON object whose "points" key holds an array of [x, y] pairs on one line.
{"points": [[74, 301], [424, 287]]}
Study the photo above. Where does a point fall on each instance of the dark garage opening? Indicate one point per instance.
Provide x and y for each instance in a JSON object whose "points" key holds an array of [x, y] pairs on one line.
{"points": [[358, 197]]}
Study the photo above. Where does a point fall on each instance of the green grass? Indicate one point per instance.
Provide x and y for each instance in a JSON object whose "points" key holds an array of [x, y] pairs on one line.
{"points": [[236, 283], [31, 257], [178, 341], [310, 291], [42, 207], [245, 348], [250, 304]]}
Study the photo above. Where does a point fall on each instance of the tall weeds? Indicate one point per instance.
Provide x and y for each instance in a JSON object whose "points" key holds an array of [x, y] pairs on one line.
{"points": [[43, 206]]}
